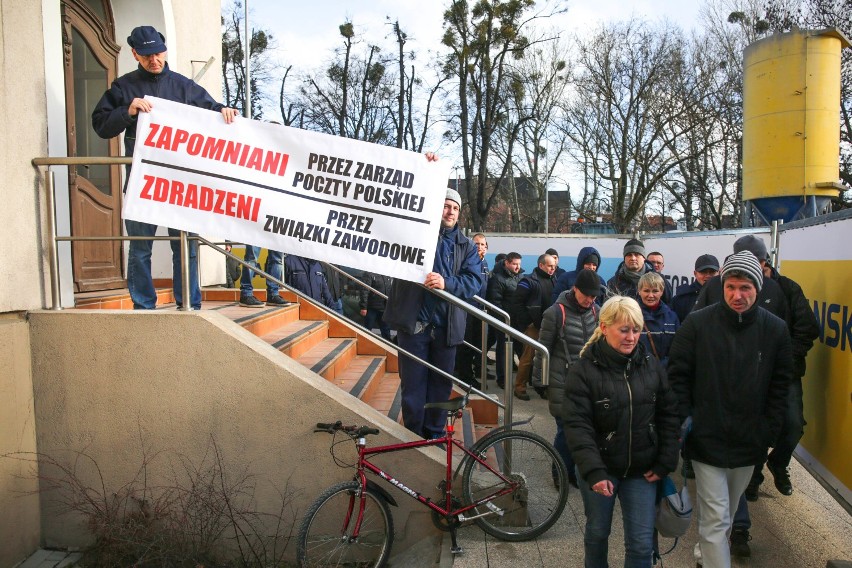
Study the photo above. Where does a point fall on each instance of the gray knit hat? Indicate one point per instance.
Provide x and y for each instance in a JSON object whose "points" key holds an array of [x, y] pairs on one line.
{"points": [[453, 195], [754, 245], [634, 245], [745, 263]]}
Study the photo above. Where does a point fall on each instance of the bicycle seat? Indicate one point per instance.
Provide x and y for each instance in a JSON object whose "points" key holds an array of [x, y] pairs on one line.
{"points": [[450, 405]]}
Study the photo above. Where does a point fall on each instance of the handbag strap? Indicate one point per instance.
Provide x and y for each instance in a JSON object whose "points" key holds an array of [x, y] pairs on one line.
{"points": [[651, 341]]}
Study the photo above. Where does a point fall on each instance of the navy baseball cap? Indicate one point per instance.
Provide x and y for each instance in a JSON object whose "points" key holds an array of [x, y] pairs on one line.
{"points": [[705, 262], [146, 40]]}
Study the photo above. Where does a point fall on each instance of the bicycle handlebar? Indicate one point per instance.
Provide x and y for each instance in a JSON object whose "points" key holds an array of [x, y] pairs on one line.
{"points": [[354, 431]]}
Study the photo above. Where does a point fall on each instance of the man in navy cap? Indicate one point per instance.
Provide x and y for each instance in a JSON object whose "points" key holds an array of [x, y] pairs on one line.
{"points": [[706, 267], [117, 112]]}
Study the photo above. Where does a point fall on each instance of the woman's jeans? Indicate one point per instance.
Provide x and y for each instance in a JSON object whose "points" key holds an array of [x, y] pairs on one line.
{"points": [[638, 511]]}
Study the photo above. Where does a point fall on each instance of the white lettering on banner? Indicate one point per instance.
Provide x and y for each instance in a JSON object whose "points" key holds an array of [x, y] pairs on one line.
{"points": [[344, 201]]}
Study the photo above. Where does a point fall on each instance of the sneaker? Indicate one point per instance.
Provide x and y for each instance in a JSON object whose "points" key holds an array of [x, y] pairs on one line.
{"points": [[739, 543], [686, 469], [752, 490], [250, 302], [782, 479], [276, 300], [522, 395]]}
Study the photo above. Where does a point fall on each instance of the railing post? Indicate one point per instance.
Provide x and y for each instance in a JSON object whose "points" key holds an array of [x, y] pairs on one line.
{"points": [[52, 253], [483, 356], [508, 380], [184, 273]]}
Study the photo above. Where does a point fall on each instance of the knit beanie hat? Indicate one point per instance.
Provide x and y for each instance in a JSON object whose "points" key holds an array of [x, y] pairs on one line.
{"points": [[588, 283], [634, 245], [453, 195], [754, 245], [746, 263]]}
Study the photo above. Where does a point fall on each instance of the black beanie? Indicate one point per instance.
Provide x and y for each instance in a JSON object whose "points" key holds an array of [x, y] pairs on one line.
{"points": [[588, 283]]}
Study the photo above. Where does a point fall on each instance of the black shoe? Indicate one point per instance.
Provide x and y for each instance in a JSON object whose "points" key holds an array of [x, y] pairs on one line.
{"points": [[522, 395], [782, 479], [739, 543], [276, 300], [501, 383], [572, 479], [542, 392], [751, 490], [686, 469], [250, 302]]}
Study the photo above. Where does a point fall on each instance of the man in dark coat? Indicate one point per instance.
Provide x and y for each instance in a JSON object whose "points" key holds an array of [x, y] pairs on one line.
{"points": [[430, 328], [501, 288], [117, 112], [631, 269], [372, 305], [531, 298], [730, 366], [706, 267]]}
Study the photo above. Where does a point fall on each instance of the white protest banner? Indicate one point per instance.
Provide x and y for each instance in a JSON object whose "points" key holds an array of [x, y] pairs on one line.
{"points": [[335, 199]]}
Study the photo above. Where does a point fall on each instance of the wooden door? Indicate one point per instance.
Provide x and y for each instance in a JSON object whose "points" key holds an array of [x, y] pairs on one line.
{"points": [[95, 190]]}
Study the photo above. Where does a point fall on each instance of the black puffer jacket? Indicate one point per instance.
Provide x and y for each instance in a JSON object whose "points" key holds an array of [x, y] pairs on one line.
{"points": [[370, 300], [620, 415], [801, 321], [731, 372], [531, 298], [564, 339], [502, 285]]}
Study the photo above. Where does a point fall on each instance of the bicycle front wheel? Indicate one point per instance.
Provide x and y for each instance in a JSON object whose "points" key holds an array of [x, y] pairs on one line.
{"points": [[327, 538], [529, 461]]}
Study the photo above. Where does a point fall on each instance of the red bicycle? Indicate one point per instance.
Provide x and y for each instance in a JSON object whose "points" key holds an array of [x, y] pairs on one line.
{"points": [[514, 486]]}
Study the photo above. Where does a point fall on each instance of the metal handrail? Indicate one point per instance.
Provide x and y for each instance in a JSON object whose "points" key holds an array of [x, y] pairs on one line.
{"points": [[509, 332]]}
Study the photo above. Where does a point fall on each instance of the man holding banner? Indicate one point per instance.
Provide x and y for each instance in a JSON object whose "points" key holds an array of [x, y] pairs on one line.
{"points": [[117, 112], [430, 328]]}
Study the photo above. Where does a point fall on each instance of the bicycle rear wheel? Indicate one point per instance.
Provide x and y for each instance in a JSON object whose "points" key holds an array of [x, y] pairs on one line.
{"points": [[325, 538], [536, 503]]}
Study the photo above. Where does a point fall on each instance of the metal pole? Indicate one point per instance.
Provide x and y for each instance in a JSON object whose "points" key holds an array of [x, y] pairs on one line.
{"points": [[247, 52], [483, 357], [52, 253], [184, 273]]}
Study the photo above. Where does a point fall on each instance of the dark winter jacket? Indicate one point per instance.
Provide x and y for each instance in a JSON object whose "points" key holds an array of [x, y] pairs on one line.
{"points": [[501, 286], [660, 327], [620, 415], [531, 298], [565, 329], [620, 284], [684, 299], [370, 300], [731, 372], [306, 275], [110, 116], [801, 321], [457, 260], [566, 281], [332, 278]]}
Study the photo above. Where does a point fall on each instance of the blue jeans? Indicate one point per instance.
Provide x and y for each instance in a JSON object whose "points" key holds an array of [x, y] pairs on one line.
{"points": [[561, 447], [638, 510], [139, 281], [374, 317], [419, 385], [274, 267]]}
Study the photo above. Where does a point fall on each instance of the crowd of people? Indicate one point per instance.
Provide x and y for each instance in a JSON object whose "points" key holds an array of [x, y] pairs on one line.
{"points": [[641, 378]]}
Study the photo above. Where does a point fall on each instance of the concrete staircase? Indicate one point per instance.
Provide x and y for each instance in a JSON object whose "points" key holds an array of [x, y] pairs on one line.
{"points": [[331, 347]]}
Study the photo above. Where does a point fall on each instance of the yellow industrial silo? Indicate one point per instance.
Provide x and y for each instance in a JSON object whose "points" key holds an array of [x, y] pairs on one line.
{"points": [[791, 130]]}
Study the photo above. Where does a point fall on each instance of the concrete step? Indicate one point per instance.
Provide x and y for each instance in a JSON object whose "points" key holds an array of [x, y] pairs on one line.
{"points": [[297, 337], [329, 357]]}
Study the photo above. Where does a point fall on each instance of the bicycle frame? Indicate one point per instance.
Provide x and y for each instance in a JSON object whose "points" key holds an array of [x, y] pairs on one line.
{"points": [[364, 465]]}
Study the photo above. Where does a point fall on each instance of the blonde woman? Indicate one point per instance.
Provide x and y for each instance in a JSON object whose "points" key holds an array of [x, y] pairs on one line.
{"points": [[661, 322], [622, 431]]}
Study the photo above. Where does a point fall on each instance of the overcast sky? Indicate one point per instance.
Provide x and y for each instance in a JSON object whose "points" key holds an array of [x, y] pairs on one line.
{"points": [[306, 31]]}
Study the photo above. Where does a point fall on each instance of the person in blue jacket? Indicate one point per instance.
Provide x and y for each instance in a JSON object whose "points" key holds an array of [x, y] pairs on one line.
{"points": [[589, 258], [307, 276], [430, 328], [661, 322], [117, 112]]}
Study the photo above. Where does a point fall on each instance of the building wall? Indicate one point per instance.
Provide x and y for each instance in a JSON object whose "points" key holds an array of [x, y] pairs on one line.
{"points": [[22, 112], [124, 384], [19, 500]]}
